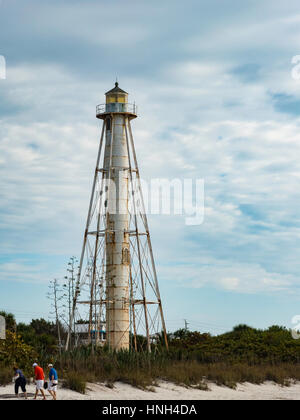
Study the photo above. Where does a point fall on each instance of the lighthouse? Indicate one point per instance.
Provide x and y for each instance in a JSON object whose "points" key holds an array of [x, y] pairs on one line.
{"points": [[116, 168], [117, 280]]}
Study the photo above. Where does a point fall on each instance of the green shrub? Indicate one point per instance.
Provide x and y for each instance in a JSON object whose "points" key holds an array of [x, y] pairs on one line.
{"points": [[6, 375], [14, 351]]}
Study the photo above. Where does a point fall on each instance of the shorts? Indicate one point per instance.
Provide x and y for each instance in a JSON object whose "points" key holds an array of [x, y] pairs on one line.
{"points": [[20, 382], [39, 383], [52, 386]]}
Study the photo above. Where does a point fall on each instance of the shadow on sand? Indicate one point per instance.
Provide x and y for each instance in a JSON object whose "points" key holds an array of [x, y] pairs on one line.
{"points": [[12, 396]]}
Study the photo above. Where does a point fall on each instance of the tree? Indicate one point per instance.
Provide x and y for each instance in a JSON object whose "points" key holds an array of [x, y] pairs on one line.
{"points": [[55, 297], [41, 335], [41, 326]]}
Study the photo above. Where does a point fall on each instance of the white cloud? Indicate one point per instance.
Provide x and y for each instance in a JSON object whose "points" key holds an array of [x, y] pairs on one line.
{"points": [[230, 283]]}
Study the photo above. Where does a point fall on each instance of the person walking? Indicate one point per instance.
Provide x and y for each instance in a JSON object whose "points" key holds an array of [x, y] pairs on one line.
{"points": [[20, 382], [53, 380], [39, 380]]}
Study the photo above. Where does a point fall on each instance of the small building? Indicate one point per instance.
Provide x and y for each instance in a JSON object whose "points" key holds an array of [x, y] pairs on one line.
{"points": [[98, 336]]}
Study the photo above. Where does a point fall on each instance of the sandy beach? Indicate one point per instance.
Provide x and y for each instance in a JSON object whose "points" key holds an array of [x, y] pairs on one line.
{"points": [[168, 391]]}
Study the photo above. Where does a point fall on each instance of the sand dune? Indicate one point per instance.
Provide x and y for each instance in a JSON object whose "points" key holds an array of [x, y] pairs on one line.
{"points": [[168, 391]]}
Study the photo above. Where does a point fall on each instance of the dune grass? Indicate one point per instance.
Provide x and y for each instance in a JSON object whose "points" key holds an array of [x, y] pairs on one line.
{"points": [[145, 371], [75, 381]]}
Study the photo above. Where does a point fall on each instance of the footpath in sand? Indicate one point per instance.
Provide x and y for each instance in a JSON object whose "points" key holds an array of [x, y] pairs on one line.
{"points": [[168, 391]]}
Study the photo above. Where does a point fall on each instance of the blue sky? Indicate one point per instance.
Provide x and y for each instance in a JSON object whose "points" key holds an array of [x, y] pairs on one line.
{"points": [[212, 80]]}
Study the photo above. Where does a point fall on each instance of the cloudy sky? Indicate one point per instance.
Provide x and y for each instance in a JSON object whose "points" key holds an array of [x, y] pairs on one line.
{"points": [[217, 101]]}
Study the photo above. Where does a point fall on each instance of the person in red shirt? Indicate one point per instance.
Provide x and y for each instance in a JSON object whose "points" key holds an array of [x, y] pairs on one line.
{"points": [[39, 380]]}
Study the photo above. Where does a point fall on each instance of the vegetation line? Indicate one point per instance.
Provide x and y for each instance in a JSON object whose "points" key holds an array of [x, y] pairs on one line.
{"points": [[242, 355]]}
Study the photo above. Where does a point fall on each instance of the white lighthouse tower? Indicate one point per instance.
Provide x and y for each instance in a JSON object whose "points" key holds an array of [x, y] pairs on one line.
{"points": [[117, 281], [116, 166]]}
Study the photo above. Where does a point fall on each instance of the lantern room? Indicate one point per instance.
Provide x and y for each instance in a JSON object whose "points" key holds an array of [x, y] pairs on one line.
{"points": [[116, 102], [116, 99]]}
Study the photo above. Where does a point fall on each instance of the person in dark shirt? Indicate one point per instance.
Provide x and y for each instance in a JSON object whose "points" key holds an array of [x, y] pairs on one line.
{"points": [[20, 382]]}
